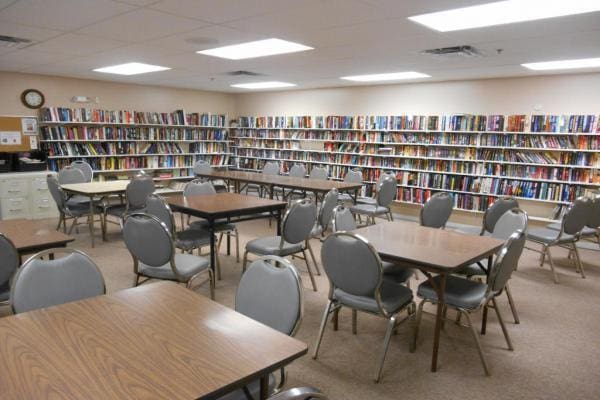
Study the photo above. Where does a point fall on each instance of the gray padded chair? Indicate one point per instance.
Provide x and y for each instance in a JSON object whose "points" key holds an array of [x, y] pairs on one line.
{"points": [[68, 210], [297, 171], [43, 283], [140, 187], [204, 167], [386, 193], [323, 221], [510, 222], [467, 296], [436, 211], [491, 216], [85, 168], [151, 245], [270, 168], [318, 173], [592, 227], [10, 262], [300, 393], [70, 174], [296, 227], [373, 199], [269, 292], [352, 176], [355, 277], [572, 224]]}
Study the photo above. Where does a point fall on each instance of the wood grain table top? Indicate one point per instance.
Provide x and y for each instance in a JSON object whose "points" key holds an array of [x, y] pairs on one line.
{"points": [[223, 204], [28, 235], [436, 249], [283, 181], [156, 341], [96, 188]]}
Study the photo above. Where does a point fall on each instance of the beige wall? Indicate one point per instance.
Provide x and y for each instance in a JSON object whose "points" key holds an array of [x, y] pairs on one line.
{"points": [[113, 96]]}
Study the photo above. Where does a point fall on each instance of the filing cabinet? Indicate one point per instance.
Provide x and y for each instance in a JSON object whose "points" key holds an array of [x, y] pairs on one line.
{"points": [[26, 195]]}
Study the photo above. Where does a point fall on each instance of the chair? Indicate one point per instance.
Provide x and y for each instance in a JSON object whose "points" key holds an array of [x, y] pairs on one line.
{"points": [[573, 222], [85, 168], [373, 200], [68, 210], [10, 262], [43, 283], [151, 244], [510, 222], [355, 275], [300, 393], [352, 176], [297, 171], [140, 187], [71, 174], [269, 292], [491, 216], [296, 227], [270, 168], [467, 296], [204, 167], [436, 211], [323, 220], [592, 227], [385, 195], [318, 173]]}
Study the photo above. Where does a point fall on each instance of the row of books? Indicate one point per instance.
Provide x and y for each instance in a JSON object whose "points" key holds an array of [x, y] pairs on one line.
{"points": [[581, 175], [304, 121], [542, 142], [125, 148], [130, 133], [564, 123], [460, 200], [151, 162], [539, 157]]}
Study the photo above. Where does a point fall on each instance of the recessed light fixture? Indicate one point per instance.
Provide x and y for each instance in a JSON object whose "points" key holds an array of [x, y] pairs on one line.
{"points": [[564, 64], [503, 12], [133, 68], [259, 48], [263, 85], [393, 76]]}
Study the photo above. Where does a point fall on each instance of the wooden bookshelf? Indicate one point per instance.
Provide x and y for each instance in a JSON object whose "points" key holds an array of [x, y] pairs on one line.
{"points": [[122, 142], [549, 159]]}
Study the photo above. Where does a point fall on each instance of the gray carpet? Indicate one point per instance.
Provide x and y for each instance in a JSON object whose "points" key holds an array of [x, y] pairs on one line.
{"points": [[557, 344]]}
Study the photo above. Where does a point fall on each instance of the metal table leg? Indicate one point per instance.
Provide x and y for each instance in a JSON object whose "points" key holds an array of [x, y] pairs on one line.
{"points": [[264, 387], [91, 219], [440, 290], [211, 231]]}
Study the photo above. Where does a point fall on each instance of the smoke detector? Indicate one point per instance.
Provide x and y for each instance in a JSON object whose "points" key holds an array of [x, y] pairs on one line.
{"points": [[454, 51], [14, 42]]}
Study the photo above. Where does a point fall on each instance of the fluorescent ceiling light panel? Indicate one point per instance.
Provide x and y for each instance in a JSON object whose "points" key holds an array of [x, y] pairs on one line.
{"points": [[133, 68], [564, 64], [393, 76], [259, 48], [503, 12], [263, 85]]}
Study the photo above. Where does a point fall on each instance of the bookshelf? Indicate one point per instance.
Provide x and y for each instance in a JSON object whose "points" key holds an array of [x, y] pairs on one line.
{"points": [[547, 159], [118, 143]]}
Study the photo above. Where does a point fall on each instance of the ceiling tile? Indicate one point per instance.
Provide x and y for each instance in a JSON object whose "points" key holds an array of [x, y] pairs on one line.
{"points": [[27, 32], [206, 38], [20, 59], [77, 45]]}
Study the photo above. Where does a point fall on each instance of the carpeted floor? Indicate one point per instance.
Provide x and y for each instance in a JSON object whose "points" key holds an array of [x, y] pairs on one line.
{"points": [[557, 344]]}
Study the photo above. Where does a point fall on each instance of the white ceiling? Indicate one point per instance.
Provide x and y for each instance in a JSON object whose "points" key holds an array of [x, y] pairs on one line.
{"points": [[350, 37]]}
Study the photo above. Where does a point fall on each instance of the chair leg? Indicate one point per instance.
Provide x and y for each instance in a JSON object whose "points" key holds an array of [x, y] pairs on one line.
{"points": [[354, 321], [322, 328], [237, 246], [511, 303], [502, 325], [578, 262], [484, 319], [477, 341], [312, 255], [543, 256], [60, 221], [310, 273], [413, 345], [244, 261], [336, 319], [73, 225], [555, 276], [212, 283], [136, 280], [386, 343]]}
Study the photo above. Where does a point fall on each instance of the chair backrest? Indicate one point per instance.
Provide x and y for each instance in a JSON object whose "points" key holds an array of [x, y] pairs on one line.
{"points": [[195, 188], [507, 260], [202, 167], [594, 215], [343, 219], [271, 168], [43, 283], [70, 174], [85, 168], [148, 239], [510, 222], [495, 211], [319, 173], [327, 205], [9, 257], [353, 176], [298, 221], [386, 191], [299, 393], [270, 292], [383, 176], [352, 265], [298, 171], [140, 187], [57, 193], [576, 216], [436, 210], [158, 207]]}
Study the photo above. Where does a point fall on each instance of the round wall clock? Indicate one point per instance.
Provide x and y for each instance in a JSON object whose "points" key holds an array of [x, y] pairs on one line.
{"points": [[32, 98]]}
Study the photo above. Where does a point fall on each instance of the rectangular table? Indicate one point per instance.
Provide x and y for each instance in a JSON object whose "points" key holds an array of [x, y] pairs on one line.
{"points": [[213, 207], [29, 237], [319, 187], [433, 251], [155, 341]]}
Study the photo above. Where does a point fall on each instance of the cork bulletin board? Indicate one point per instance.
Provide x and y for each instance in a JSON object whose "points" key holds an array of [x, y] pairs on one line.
{"points": [[18, 133]]}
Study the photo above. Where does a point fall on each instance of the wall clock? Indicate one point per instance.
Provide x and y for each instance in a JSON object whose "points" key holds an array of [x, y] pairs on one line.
{"points": [[32, 98]]}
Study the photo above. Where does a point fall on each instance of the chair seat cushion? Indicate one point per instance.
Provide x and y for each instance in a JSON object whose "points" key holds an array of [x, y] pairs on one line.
{"points": [[220, 226], [191, 239], [393, 297], [369, 209], [344, 197], [188, 265], [460, 292], [253, 388], [116, 210], [396, 272], [366, 200], [585, 232], [270, 246], [78, 209], [545, 235], [472, 270]]}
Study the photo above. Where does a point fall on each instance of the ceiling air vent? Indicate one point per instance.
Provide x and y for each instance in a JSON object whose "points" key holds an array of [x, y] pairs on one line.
{"points": [[454, 51], [11, 41], [243, 73]]}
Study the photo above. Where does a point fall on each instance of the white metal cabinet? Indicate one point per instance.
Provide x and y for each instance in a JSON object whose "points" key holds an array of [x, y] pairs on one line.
{"points": [[26, 195]]}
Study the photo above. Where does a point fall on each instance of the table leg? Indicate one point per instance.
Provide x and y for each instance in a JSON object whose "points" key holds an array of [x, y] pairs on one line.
{"points": [[228, 239], [440, 290], [485, 308], [271, 191], [91, 219], [264, 387], [211, 231], [355, 199], [278, 217]]}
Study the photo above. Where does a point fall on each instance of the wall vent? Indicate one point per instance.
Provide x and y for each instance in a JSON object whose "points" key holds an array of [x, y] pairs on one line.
{"points": [[11, 41], [454, 51]]}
